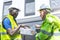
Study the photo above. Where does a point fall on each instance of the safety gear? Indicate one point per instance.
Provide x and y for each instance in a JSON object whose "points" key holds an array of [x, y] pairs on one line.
{"points": [[14, 7], [0, 31], [44, 7], [49, 29], [6, 36]]}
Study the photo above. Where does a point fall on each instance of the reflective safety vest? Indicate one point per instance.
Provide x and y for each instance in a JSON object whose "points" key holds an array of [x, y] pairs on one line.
{"points": [[5, 36], [0, 31], [50, 28]]}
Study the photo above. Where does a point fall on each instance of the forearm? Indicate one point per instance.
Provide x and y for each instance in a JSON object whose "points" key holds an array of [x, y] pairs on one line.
{"points": [[12, 32]]}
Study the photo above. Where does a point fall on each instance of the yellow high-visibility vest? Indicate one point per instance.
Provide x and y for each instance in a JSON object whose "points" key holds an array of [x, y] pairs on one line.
{"points": [[5, 36]]}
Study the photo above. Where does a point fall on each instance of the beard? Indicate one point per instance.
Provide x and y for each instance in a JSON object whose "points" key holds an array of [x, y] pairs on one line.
{"points": [[43, 18]]}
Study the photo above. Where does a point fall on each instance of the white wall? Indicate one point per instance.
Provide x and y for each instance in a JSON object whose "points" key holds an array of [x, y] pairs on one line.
{"points": [[20, 5], [56, 13], [1, 9]]}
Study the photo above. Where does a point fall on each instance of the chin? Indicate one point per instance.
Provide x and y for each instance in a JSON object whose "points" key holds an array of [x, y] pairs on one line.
{"points": [[42, 18], [15, 16]]}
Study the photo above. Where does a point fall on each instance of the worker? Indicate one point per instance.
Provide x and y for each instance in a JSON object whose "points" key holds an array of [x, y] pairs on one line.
{"points": [[50, 28], [10, 28]]}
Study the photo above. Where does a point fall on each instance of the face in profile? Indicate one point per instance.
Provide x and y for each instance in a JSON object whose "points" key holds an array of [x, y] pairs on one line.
{"points": [[43, 14]]}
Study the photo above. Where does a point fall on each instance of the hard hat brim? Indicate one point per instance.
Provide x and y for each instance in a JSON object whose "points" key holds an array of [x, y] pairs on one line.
{"points": [[14, 8], [44, 9]]}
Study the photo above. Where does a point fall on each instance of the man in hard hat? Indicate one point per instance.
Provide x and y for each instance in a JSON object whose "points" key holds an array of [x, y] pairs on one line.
{"points": [[10, 30], [50, 28]]}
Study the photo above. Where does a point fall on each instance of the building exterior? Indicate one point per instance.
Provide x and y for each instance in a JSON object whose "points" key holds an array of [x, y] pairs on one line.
{"points": [[28, 9], [28, 14]]}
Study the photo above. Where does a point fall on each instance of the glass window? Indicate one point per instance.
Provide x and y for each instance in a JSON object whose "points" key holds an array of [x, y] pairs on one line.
{"points": [[55, 4], [29, 7], [5, 7]]}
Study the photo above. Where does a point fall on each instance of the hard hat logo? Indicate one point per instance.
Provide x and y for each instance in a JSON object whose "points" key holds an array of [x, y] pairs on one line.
{"points": [[44, 7]]}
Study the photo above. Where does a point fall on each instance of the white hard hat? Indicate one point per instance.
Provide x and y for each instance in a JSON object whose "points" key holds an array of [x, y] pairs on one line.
{"points": [[14, 6], [43, 6]]}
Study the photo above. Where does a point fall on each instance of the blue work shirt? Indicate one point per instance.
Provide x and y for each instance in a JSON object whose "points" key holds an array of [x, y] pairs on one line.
{"points": [[6, 23]]}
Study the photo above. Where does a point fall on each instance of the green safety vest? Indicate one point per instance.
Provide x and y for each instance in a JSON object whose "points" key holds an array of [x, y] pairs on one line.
{"points": [[49, 28], [5, 36]]}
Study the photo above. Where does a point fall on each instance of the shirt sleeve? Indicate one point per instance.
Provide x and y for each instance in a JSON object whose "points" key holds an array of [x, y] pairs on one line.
{"points": [[6, 23], [57, 21]]}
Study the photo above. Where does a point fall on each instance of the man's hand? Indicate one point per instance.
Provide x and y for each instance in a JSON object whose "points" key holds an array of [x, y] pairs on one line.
{"points": [[24, 26], [13, 31], [33, 32], [37, 26]]}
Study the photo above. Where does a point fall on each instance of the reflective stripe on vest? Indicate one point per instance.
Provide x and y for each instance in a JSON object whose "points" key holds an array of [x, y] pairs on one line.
{"points": [[49, 33], [3, 33]]}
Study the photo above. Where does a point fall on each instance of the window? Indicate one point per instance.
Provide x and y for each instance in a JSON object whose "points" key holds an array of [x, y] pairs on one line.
{"points": [[5, 7], [55, 4], [29, 7], [7, 0]]}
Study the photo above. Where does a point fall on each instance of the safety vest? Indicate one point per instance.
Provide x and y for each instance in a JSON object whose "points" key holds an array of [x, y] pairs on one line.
{"points": [[49, 29], [6, 36], [0, 31]]}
